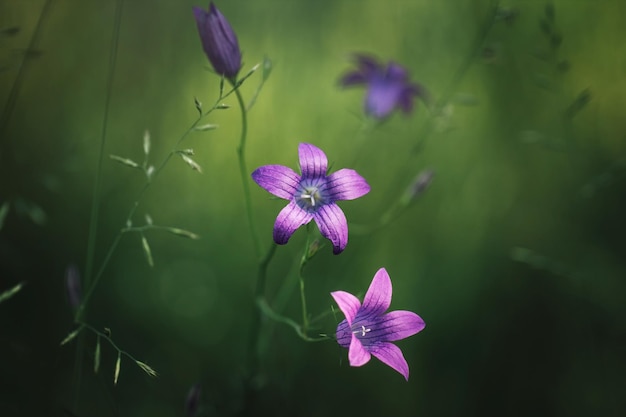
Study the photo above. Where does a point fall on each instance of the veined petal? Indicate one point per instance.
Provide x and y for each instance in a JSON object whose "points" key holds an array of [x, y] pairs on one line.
{"points": [[378, 297], [313, 161], [346, 184], [388, 327], [357, 355], [289, 219], [344, 334], [392, 356], [279, 180], [348, 304], [333, 225]]}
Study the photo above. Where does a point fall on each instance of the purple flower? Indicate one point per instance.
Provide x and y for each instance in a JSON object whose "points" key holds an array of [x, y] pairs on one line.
{"points": [[312, 195], [368, 330], [219, 41], [388, 87]]}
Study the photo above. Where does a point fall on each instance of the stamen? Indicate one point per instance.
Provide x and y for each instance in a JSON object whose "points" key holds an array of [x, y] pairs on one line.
{"points": [[363, 331]]}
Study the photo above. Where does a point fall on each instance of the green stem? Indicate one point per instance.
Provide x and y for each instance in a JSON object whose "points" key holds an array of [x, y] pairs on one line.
{"points": [[245, 177], [303, 261], [95, 202]]}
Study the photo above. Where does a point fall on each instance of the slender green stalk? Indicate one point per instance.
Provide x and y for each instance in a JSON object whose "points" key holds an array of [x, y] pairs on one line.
{"points": [[95, 202], [303, 261], [245, 177]]}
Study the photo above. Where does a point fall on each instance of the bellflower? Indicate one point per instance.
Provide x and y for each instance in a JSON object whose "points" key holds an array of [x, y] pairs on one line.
{"points": [[388, 87], [367, 330], [311, 195], [218, 41]]}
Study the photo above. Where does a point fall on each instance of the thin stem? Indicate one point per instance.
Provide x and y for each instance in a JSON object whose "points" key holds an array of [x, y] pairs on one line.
{"points": [[303, 261], [95, 202], [243, 170], [255, 324]]}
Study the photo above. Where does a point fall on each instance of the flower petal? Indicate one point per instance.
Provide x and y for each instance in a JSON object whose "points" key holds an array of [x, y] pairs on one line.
{"points": [[348, 304], [357, 355], [289, 219], [382, 97], [389, 327], [313, 161], [344, 334], [378, 297], [402, 324], [345, 184], [279, 180], [353, 78], [392, 356], [333, 225]]}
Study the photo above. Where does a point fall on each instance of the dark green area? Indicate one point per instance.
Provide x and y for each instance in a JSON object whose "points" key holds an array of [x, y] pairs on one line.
{"points": [[514, 257]]}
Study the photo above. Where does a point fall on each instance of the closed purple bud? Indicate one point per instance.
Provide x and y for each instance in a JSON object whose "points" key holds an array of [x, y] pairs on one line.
{"points": [[72, 286], [419, 186], [192, 403], [218, 41]]}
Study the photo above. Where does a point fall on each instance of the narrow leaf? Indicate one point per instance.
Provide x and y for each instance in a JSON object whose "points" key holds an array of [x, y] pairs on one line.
{"points": [[118, 364], [193, 164], [182, 232], [96, 359], [147, 369], [11, 292], [125, 161], [146, 142], [198, 105], [146, 250], [204, 128], [71, 336], [583, 98]]}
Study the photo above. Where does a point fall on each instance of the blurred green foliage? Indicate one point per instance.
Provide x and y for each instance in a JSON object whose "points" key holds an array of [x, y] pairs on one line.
{"points": [[514, 257]]}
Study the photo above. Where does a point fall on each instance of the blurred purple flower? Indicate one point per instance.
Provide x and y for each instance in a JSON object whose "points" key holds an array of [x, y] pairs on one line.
{"points": [[368, 330], [219, 41], [72, 286], [192, 402], [388, 87], [312, 195]]}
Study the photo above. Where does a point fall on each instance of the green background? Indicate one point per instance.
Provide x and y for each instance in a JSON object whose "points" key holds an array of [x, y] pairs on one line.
{"points": [[514, 257]]}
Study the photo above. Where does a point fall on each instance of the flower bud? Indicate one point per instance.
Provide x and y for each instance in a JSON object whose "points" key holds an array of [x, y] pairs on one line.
{"points": [[218, 41]]}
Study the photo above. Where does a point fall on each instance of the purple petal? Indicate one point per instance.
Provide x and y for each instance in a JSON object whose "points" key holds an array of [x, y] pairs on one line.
{"points": [[388, 327], [353, 78], [279, 180], [346, 184], [333, 226], [289, 219], [348, 304], [378, 297], [368, 64], [313, 161], [344, 334], [402, 324], [357, 355], [382, 97], [392, 356], [396, 72]]}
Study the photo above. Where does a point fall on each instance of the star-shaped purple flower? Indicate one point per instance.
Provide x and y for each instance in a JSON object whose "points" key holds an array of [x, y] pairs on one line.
{"points": [[368, 330], [388, 87], [312, 195]]}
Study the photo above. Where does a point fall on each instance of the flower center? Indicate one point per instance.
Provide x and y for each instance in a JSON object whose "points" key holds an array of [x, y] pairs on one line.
{"points": [[310, 197], [362, 330]]}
